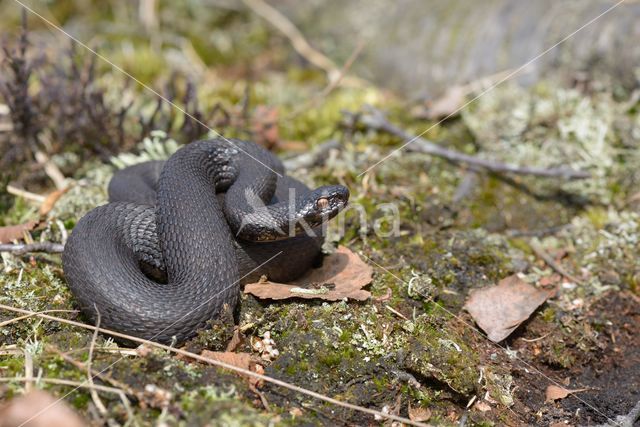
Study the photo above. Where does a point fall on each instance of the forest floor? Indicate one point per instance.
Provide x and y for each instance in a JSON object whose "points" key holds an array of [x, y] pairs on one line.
{"points": [[432, 231]]}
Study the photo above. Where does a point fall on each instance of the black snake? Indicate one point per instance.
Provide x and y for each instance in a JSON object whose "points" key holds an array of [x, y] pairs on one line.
{"points": [[161, 259]]}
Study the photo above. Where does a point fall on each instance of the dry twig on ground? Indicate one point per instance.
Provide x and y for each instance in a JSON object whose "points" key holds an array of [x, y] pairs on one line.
{"points": [[213, 362], [376, 120], [300, 43], [22, 248]]}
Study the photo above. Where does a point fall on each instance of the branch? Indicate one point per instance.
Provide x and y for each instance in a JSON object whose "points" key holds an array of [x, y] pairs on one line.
{"points": [[315, 156], [300, 43], [21, 248], [376, 120]]}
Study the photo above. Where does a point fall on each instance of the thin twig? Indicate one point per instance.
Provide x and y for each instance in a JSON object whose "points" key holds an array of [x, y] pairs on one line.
{"points": [[537, 248], [537, 339], [94, 395], [396, 312], [22, 248], [125, 388], [52, 170], [11, 189], [376, 120], [220, 364], [27, 316], [298, 41], [331, 86], [466, 187], [311, 158], [103, 377], [28, 371]]}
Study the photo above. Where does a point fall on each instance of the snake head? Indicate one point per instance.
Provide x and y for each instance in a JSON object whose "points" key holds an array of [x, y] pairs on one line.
{"points": [[322, 204]]}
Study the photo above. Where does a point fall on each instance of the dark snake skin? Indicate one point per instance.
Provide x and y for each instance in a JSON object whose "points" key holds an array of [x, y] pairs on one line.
{"points": [[161, 259]]}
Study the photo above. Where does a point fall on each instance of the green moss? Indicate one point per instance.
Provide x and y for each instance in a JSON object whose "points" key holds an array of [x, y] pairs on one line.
{"points": [[442, 355]]}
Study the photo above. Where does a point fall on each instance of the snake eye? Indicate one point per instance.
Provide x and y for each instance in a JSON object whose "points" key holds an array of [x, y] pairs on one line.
{"points": [[322, 203]]}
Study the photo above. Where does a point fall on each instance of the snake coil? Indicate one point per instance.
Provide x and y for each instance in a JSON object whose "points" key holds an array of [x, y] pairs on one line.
{"points": [[178, 238]]}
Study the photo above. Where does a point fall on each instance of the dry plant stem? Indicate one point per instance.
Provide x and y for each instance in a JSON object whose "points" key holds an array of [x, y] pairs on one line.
{"points": [[28, 371], [26, 316], [207, 360], [15, 191], [22, 248], [302, 46], [542, 254], [92, 390], [331, 86], [298, 41], [312, 158], [376, 120], [52, 170], [103, 377]]}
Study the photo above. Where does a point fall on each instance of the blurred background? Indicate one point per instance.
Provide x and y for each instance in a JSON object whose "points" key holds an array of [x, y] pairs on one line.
{"points": [[241, 67]]}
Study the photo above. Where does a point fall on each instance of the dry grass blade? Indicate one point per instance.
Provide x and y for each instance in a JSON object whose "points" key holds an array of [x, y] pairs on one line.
{"points": [[200, 358], [94, 395], [27, 316]]}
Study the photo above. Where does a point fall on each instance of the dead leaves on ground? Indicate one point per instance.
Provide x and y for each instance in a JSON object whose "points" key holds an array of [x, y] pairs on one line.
{"points": [[555, 392], [10, 233], [50, 201], [342, 275], [419, 414], [38, 409], [500, 309]]}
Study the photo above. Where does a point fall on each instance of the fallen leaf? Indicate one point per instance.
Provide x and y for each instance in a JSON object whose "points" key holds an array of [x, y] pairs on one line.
{"points": [[419, 414], [235, 340], [500, 309], [386, 297], [342, 275], [555, 392], [295, 412], [482, 406], [240, 360], [50, 201], [448, 104], [10, 233], [551, 280], [38, 409]]}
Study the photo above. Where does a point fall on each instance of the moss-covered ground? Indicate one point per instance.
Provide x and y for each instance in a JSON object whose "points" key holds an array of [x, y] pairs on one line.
{"points": [[411, 345]]}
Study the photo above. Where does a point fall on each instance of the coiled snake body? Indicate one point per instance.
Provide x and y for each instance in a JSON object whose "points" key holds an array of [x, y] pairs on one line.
{"points": [[161, 259]]}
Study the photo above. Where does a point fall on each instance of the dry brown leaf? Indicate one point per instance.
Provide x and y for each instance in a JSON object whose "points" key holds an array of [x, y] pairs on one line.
{"points": [[500, 309], [10, 233], [240, 360], [448, 104], [30, 410], [482, 406], [50, 201], [235, 340], [342, 275], [419, 414], [555, 392]]}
